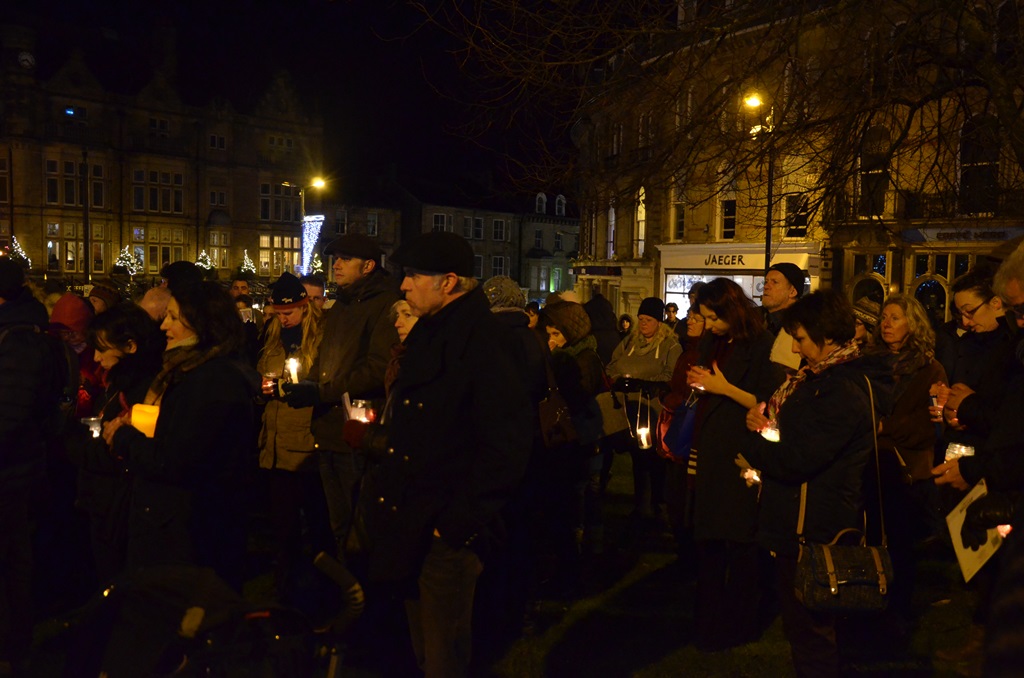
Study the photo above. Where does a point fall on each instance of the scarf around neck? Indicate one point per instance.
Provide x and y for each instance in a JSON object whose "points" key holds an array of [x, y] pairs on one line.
{"points": [[843, 354]]}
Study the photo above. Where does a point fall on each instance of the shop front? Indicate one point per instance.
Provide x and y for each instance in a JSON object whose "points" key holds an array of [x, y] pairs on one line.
{"points": [[684, 264]]}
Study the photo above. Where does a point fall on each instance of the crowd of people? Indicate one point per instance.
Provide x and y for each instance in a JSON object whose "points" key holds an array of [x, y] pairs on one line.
{"points": [[406, 429]]}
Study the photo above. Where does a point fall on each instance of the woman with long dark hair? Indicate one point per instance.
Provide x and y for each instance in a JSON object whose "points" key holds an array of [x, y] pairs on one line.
{"points": [[736, 373], [188, 504], [128, 346]]}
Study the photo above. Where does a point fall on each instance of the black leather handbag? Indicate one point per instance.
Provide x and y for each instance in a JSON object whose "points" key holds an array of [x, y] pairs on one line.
{"points": [[844, 577]]}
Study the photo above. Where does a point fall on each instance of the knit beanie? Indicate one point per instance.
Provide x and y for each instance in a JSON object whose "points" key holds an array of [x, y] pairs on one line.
{"points": [[12, 278], [72, 313], [653, 307], [569, 318], [867, 311], [793, 273], [287, 292], [504, 292], [108, 295]]}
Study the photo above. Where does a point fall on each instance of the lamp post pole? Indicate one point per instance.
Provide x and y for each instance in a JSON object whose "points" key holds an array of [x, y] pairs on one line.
{"points": [[771, 204]]}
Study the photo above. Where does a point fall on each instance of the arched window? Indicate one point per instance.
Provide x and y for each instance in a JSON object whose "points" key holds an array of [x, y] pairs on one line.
{"points": [[541, 206], [640, 228], [979, 165], [560, 206], [874, 171]]}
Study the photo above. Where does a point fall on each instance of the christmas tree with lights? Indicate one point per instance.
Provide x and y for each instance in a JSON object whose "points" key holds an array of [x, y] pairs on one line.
{"points": [[247, 265], [132, 264], [316, 267], [18, 254], [204, 261]]}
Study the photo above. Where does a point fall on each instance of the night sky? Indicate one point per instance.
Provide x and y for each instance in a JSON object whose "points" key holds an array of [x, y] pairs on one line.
{"points": [[389, 87]]}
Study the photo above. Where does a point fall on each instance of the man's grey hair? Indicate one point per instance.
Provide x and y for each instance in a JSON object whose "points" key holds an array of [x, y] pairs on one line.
{"points": [[1012, 268], [465, 284]]}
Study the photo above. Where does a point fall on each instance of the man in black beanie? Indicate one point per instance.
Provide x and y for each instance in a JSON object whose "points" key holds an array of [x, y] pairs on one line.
{"points": [[784, 283]]}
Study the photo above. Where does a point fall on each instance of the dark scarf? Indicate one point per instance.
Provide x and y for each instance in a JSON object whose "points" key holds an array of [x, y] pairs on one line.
{"points": [[178, 361]]}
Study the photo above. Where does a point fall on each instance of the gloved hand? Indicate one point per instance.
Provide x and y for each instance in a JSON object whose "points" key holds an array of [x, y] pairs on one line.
{"points": [[353, 432], [302, 394], [995, 508]]}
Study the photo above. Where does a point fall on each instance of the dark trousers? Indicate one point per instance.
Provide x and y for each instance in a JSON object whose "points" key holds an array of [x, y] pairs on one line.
{"points": [[648, 480], [728, 594], [339, 474], [15, 575], [297, 506], [811, 635], [441, 621]]}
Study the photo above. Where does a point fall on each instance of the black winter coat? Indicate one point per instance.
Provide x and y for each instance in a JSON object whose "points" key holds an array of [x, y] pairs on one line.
{"points": [[725, 507], [825, 441], [188, 502], [459, 439], [28, 390], [987, 363], [354, 353]]}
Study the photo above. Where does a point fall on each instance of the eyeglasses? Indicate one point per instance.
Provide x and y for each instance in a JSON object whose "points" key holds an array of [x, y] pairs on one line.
{"points": [[968, 314]]}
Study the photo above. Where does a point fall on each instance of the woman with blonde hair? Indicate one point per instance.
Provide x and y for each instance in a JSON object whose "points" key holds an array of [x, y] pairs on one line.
{"points": [[286, 444], [906, 441]]}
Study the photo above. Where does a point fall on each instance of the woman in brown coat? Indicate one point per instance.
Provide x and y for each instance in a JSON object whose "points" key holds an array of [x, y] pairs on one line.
{"points": [[287, 450]]}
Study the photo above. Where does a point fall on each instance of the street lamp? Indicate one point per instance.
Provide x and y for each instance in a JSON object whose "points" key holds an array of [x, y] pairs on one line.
{"points": [[310, 225], [754, 101]]}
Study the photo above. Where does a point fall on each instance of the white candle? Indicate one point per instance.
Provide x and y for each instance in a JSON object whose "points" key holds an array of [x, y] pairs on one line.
{"points": [[643, 438], [770, 433], [293, 369]]}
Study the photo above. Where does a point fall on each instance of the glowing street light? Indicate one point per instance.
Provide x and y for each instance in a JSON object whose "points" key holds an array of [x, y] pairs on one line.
{"points": [[311, 225], [754, 101]]}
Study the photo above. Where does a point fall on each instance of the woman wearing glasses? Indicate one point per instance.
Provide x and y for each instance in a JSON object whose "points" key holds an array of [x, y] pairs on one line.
{"points": [[984, 365]]}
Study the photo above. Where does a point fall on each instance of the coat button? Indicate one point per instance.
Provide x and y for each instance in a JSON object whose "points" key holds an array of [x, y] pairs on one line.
{"points": [[405, 402], [394, 509], [391, 450], [380, 500], [316, 446], [419, 406], [405, 458]]}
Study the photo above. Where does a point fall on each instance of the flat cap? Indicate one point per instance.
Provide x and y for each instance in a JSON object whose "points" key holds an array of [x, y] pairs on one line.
{"points": [[354, 245], [437, 252]]}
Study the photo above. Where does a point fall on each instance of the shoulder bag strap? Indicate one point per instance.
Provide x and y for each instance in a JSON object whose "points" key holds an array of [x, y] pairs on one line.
{"points": [[878, 476], [878, 470]]}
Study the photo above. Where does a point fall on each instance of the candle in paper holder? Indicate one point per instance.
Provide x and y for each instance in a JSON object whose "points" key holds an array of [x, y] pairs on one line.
{"points": [[643, 438], [362, 410], [770, 433], [95, 425], [144, 418]]}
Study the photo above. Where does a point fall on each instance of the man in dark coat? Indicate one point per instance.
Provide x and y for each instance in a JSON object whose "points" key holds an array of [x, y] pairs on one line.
{"points": [[28, 401], [354, 354], [459, 434]]}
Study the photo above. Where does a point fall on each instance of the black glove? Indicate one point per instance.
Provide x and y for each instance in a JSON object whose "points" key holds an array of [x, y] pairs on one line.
{"points": [[995, 508], [302, 394]]}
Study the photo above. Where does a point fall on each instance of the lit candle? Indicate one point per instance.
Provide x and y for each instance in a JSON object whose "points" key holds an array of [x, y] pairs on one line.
{"points": [[95, 425], [771, 433], [144, 418], [643, 438], [293, 369], [751, 476]]}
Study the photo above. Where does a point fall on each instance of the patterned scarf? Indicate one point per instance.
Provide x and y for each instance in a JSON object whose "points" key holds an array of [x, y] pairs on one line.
{"points": [[845, 353]]}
